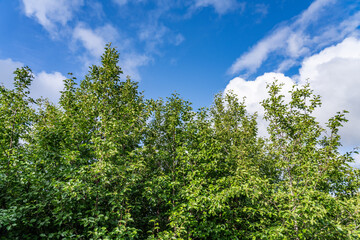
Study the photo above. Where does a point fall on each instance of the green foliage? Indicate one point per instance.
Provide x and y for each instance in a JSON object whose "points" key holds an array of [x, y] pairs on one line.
{"points": [[104, 163]]}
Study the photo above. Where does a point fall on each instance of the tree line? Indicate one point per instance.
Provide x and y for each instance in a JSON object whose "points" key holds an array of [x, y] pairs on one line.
{"points": [[106, 163]]}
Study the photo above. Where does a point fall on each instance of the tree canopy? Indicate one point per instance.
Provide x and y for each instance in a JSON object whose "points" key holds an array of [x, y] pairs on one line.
{"points": [[106, 163]]}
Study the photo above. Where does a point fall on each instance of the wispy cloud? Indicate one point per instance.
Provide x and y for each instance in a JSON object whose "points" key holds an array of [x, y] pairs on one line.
{"points": [[296, 39], [312, 13], [253, 59], [121, 2], [94, 40], [178, 39], [131, 62], [262, 9], [88, 41], [124, 2], [220, 6], [153, 35], [51, 13]]}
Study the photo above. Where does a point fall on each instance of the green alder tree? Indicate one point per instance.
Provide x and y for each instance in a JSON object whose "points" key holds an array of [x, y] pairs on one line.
{"points": [[83, 161], [312, 183], [16, 117], [105, 163]]}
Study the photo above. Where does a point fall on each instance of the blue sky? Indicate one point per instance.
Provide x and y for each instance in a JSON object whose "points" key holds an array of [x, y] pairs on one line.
{"points": [[195, 47], [183, 46]]}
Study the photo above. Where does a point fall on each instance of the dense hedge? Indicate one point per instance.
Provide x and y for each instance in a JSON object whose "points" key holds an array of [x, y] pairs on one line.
{"points": [[105, 163]]}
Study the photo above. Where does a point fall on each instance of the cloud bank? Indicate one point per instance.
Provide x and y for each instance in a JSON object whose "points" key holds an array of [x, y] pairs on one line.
{"points": [[292, 41], [333, 73]]}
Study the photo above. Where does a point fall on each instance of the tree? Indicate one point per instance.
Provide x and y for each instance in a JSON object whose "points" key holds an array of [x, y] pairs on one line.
{"points": [[16, 117], [313, 184], [105, 163]]}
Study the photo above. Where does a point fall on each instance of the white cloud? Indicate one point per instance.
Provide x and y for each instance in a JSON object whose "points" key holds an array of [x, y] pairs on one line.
{"points": [[312, 12], [295, 40], [252, 60], [286, 64], [49, 13], [7, 68], [295, 45], [94, 40], [47, 85], [220, 6], [333, 74], [44, 84], [255, 91], [130, 64]]}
